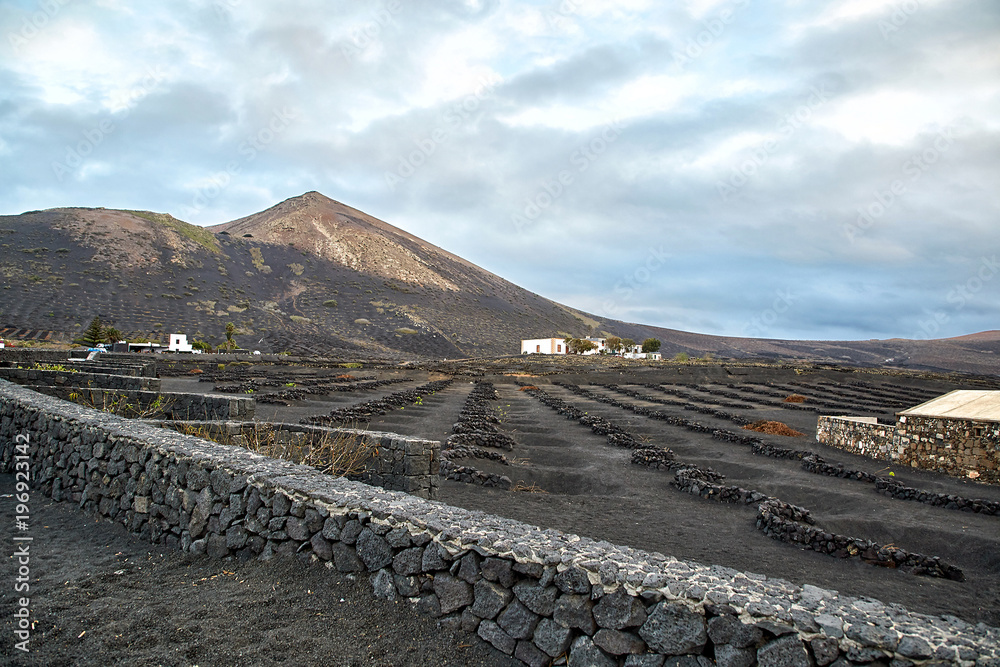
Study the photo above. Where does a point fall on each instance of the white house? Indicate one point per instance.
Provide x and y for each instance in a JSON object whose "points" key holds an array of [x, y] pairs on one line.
{"points": [[601, 343], [179, 343], [543, 346], [637, 353]]}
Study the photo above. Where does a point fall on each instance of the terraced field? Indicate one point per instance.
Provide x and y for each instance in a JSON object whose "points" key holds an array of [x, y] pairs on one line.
{"points": [[643, 456]]}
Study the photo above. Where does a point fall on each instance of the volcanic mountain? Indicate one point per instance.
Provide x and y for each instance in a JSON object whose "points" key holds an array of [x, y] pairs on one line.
{"points": [[311, 275]]}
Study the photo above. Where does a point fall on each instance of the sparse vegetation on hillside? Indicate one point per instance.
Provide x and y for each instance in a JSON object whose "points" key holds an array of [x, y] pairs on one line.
{"points": [[199, 235]]}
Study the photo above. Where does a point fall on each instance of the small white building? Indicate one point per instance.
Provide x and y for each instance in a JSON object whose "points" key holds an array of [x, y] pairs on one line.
{"points": [[543, 346], [179, 343], [601, 343]]}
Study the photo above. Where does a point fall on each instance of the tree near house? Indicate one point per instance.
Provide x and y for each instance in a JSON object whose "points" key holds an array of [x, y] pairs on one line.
{"points": [[230, 344], [650, 345], [580, 345], [628, 344], [112, 335], [94, 333], [614, 344]]}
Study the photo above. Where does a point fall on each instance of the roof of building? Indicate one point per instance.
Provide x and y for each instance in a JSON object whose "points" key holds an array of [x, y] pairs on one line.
{"points": [[979, 405]]}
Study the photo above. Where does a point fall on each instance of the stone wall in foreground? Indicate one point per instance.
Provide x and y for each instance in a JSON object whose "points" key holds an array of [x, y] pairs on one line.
{"points": [[535, 594]]}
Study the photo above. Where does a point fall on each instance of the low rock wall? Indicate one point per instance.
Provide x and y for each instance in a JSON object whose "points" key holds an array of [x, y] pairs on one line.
{"points": [[535, 594], [31, 355], [173, 405], [397, 462], [38, 377]]}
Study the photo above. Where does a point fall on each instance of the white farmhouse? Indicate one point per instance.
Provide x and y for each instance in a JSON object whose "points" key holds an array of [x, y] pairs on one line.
{"points": [[543, 346], [179, 343]]}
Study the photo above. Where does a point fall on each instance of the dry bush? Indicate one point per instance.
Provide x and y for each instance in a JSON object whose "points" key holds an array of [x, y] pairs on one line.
{"points": [[120, 404], [795, 398], [772, 428], [337, 454], [524, 488], [528, 387]]}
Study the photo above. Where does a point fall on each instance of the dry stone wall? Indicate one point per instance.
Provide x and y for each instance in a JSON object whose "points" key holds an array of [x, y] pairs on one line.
{"points": [[173, 405], [858, 437], [962, 448], [397, 462], [48, 378], [534, 594]]}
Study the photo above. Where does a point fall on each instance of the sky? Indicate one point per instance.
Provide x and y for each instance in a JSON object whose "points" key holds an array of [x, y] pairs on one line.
{"points": [[789, 169]]}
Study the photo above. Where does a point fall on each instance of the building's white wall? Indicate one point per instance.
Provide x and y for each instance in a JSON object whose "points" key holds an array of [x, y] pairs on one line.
{"points": [[543, 346], [178, 343]]}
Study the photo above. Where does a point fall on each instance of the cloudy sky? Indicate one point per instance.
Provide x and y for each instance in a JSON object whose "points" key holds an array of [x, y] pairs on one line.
{"points": [[789, 169]]}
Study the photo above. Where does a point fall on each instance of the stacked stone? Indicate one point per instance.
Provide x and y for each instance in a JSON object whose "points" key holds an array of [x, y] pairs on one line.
{"points": [[334, 386], [673, 391], [471, 452], [703, 483], [533, 594], [894, 489], [953, 446], [814, 463], [364, 412], [655, 457], [757, 445], [173, 405], [470, 475], [475, 429], [45, 378], [761, 448], [774, 521]]}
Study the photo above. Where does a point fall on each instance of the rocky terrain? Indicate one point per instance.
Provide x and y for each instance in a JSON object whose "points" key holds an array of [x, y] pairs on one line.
{"points": [[314, 276]]}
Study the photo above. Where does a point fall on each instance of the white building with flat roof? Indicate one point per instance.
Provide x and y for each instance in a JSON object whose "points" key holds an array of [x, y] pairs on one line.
{"points": [[179, 343], [543, 346]]}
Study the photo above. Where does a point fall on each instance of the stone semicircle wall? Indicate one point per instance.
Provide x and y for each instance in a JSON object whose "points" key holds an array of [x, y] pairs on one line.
{"points": [[534, 594]]}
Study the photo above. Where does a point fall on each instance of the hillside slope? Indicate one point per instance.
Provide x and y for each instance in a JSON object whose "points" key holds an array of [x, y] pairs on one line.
{"points": [[312, 275]]}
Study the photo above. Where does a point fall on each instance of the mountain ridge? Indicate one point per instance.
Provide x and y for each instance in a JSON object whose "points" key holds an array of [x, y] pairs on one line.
{"points": [[314, 275]]}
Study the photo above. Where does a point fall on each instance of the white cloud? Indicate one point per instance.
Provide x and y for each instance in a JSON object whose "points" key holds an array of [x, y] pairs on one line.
{"points": [[223, 70]]}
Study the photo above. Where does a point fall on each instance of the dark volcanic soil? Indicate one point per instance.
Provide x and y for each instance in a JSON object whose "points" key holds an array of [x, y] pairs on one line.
{"points": [[170, 609], [594, 490]]}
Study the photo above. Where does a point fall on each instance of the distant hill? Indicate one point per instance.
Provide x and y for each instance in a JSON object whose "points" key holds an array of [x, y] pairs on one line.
{"points": [[311, 275]]}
